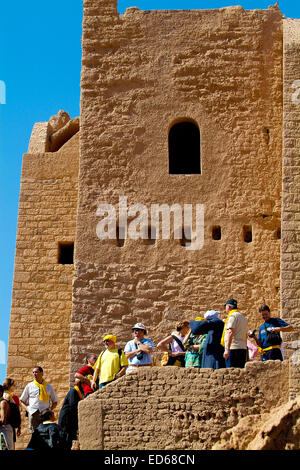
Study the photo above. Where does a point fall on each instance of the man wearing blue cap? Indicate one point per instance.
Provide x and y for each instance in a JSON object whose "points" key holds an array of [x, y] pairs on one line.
{"points": [[234, 338]]}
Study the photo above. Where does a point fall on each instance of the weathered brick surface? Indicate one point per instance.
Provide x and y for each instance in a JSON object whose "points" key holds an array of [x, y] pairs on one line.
{"points": [[42, 289], [175, 408], [142, 72], [290, 253]]}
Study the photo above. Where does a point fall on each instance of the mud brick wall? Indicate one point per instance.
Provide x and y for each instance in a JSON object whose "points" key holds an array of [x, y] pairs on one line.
{"points": [[290, 254], [141, 72], [174, 408], [42, 288]]}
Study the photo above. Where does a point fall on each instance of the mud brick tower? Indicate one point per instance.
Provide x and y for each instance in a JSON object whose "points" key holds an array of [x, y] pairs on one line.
{"points": [[222, 84]]}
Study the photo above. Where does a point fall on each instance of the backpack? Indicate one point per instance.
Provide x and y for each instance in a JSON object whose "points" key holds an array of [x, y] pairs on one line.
{"points": [[273, 338], [14, 416]]}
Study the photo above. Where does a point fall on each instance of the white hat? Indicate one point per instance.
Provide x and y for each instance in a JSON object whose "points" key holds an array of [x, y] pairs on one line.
{"points": [[211, 314], [139, 326]]}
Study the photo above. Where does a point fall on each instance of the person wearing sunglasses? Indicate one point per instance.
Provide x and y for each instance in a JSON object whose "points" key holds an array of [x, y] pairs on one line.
{"points": [[139, 350], [111, 363], [85, 374]]}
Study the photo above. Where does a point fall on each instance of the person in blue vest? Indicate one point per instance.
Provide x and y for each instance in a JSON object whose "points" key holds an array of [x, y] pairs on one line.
{"points": [[269, 339], [212, 356]]}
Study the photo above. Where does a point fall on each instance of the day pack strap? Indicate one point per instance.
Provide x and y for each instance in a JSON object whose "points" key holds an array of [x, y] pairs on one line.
{"points": [[178, 342]]}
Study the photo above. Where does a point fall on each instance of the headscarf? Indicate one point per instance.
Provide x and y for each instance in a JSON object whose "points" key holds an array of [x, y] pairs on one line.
{"points": [[211, 314]]}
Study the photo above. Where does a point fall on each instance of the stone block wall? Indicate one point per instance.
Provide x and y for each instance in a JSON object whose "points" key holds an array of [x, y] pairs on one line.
{"points": [[39, 331], [141, 72], [290, 252], [174, 408]]}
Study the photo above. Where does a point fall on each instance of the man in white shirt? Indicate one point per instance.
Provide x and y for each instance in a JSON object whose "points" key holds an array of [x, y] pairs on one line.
{"points": [[36, 397], [139, 350], [235, 336]]}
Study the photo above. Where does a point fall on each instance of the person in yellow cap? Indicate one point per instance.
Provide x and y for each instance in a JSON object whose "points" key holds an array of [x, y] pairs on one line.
{"points": [[111, 363]]}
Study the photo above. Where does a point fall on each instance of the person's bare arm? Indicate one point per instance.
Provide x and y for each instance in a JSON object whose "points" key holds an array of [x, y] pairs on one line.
{"points": [[130, 354], [146, 348], [3, 411], [228, 342], [82, 378], [186, 338], [94, 379], [121, 372], [24, 406], [284, 329], [163, 344], [53, 405]]}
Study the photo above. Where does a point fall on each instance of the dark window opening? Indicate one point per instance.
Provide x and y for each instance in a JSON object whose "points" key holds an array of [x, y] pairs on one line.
{"points": [[247, 233], [267, 135], [216, 232], [150, 236], [120, 234], [186, 237], [184, 149], [278, 234], [66, 253]]}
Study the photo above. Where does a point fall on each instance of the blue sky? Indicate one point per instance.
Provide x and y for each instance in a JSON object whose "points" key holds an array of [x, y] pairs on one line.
{"points": [[40, 61]]}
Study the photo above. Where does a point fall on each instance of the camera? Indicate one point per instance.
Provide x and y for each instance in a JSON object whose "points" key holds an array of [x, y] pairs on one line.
{"points": [[251, 333], [139, 355]]}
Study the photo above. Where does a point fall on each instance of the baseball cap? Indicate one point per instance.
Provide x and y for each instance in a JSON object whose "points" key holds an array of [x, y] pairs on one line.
{"points": [[111, 337], [231, 302], [139, 326]]}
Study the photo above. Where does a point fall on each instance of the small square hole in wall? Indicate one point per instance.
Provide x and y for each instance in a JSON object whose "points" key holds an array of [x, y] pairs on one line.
{"points": [[66, 252], [247, 233], [120, 232], [216, 232], [278, 234], [186, 236]]}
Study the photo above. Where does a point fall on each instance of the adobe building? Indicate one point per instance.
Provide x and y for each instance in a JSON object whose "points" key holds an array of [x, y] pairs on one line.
{"points": [[198, 107]]}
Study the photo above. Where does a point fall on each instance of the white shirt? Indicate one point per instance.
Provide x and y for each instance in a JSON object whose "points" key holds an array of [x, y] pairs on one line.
{"points": [[30, 397], [239, 324]]}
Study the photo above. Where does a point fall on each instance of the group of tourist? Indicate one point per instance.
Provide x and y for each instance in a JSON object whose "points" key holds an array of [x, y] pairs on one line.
{"points": [[207, 342]]}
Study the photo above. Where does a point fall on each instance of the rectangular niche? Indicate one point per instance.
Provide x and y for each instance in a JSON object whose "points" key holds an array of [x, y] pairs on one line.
{"points": [[216, 232], [186, 237], [247, 233], [66, 253]]}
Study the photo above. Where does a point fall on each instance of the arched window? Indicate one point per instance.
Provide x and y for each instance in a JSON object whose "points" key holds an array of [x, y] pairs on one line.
{"points": [[184, 149]]}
